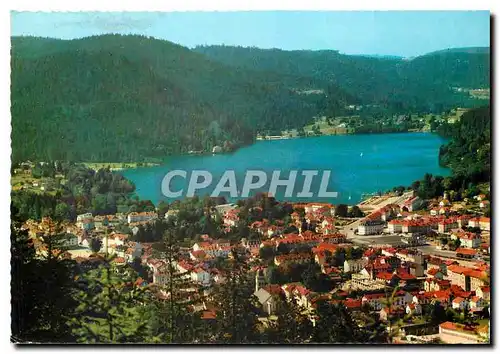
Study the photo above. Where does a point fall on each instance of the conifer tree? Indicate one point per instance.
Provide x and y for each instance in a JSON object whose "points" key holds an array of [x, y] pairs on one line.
{"points": [[110, 306], [236, 315], [170, 320], [291, 326], [41, 287]]}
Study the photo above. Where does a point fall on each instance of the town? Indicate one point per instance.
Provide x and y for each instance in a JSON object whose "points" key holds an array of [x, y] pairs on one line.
{"points": [[419, 267]]}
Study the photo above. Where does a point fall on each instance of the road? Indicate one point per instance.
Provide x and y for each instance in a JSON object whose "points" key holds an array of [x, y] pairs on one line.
{"points": [[348, 230], [432, 250], [393, 240]]}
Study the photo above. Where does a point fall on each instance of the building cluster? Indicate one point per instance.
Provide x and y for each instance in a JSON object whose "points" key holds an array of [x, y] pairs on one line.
{"points": [[390, 281]]}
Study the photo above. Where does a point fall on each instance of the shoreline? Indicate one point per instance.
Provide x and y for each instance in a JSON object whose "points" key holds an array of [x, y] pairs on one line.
{"points": [[118, 166], [282, 137]]}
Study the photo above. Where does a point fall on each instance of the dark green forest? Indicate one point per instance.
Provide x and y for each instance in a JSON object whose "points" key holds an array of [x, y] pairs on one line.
{"points": [[125, 98], [467, 154], [469, 151], [421, 84], [132, 98]]}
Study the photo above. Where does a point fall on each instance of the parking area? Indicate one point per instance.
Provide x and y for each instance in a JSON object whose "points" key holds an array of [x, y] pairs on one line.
{"points": [[393, 240]]}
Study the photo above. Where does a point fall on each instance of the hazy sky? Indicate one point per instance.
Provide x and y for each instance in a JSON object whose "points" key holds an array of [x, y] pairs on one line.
{"points": [[405, 34]]}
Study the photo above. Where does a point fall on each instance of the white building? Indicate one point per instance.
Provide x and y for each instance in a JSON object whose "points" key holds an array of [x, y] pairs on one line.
{"points": [[200, 276], [141, 217], [355, 265], [370, 227]]}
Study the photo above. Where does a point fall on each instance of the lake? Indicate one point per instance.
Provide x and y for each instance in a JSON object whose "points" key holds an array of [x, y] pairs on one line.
{"points": [[359, 164]]}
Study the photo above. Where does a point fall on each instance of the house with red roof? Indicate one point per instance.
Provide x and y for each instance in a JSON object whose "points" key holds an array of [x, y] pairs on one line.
{"points": [[375, 301], [433, 284], [458, 275], [154, 264], [352, 304], [328, 222], [209, 315], [467, 278], [482, 222], [325, 246], [467, 239], [200, 276], [412, 204], [377, 266], [198, 255], [184, 267], [268, 298], [477, 302], [371, 225], [231, 217], [160, 276], [413, 309], [463, 220], [298, 293], [389, 251], [447, 225], [466, 253], [393, 312], [459, 303], [483, 292]]}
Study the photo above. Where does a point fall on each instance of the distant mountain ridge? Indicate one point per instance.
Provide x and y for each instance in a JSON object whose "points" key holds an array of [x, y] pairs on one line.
{"points": [[466, 50], [127, 98], [422, 83]]}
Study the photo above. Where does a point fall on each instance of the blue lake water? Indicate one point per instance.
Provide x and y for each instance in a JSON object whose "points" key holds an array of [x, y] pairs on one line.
{"points": [[359, 164]]}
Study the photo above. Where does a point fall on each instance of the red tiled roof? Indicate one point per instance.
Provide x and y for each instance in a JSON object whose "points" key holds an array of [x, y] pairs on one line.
{"points": [[325, 247], [208, 315], [385, 276], [466, 251], [374, 296], [352, 303], [433, 271], [458, 269], [458, 300], [273, 289], [406, 276], [198, 254]]}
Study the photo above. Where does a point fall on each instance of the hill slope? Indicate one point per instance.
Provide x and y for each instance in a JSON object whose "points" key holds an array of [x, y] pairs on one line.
{"points": [[129, 97], [423, 84], [125, 98]]}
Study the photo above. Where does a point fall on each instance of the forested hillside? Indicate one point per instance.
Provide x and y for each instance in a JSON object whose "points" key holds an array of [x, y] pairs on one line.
{"points": [[468, 153], [131, 98], [422, 84], [123, 98]]}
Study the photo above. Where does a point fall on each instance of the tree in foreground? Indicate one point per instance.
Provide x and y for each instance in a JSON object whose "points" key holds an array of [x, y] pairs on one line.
{"points": [[170, 320], [236, 315], [41, 288], [110, 307], [291, 326]]}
